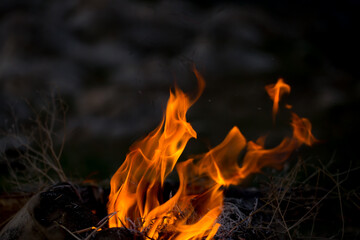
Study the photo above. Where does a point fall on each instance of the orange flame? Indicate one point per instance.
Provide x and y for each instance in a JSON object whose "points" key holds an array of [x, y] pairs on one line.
{"points": [[192, 212], [275, 92], [302, 130]]}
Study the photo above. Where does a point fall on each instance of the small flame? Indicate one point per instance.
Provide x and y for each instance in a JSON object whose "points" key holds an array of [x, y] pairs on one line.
{"points": [[275, 92], [192, 212], [302, 130]]}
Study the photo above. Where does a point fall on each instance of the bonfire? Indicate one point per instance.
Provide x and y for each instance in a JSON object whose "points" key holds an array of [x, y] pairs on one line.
{"points": [[196, 208]]}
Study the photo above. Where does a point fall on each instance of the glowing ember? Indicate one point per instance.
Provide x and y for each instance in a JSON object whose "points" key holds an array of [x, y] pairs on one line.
{"points": [[192, 212]]}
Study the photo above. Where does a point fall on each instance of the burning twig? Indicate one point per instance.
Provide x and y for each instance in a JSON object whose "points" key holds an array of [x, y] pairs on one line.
{"points": [[84, 230], [102, 223], [131, 222]]}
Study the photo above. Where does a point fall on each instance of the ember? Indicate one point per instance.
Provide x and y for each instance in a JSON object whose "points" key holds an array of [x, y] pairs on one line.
{"points": [[191, 213]]}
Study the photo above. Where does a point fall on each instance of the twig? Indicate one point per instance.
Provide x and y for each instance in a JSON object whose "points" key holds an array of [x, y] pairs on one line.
{"points": [[107, 217], [123, 224], [341, 209], [282, 217], [132, 223], [84, 230], [101, 225], [311, 209], [247, 217], [63, 227]]}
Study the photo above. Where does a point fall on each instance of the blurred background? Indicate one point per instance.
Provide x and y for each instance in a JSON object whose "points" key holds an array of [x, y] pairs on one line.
{"points": [[113, 63]]}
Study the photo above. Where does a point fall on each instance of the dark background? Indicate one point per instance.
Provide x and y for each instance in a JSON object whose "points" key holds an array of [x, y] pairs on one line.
{"points": [[114, 61]]}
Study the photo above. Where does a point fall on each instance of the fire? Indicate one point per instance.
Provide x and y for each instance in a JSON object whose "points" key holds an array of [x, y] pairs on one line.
{"points": [[302, 130], [275, 92], [192, 212]]}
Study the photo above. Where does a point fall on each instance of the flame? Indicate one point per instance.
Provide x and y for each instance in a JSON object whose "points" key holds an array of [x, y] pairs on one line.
{"points": [[135, 185], [192, 212], [302, 130], [275, 92]]}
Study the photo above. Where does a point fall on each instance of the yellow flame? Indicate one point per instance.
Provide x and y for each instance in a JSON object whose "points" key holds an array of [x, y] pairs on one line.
{"points": [[192, 212]]}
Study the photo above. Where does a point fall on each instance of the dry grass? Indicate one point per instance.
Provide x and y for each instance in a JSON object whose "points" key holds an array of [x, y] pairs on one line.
{"points": [[291, 206], [35, 146], [294, 206]]}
